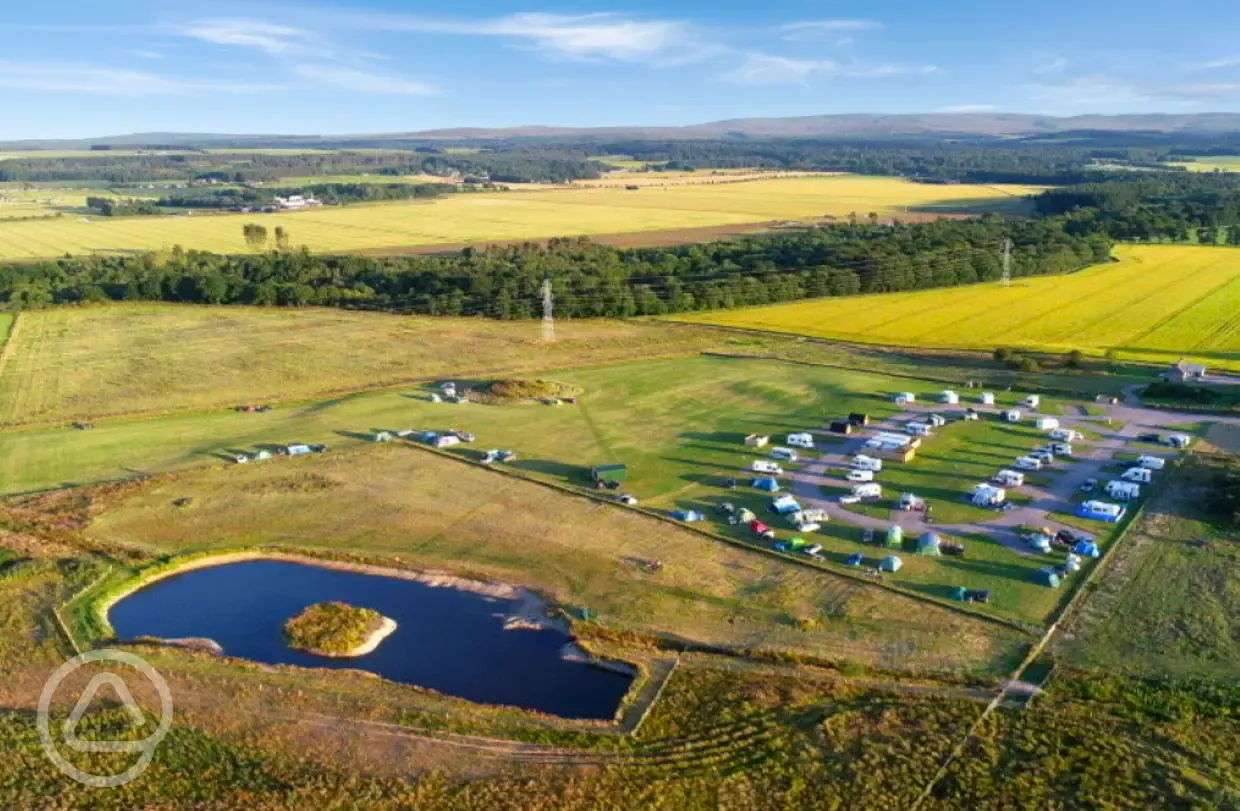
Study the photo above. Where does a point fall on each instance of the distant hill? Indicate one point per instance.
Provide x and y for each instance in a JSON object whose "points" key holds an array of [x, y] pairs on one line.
{"points": [[943, 125]]}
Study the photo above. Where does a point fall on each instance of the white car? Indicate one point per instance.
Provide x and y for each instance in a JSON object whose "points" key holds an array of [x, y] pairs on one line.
{"points": [[850, 499]]}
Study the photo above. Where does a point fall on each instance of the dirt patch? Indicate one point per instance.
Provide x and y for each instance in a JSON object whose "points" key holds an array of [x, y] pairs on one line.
{"points": [[301, 483], [523, 390]]}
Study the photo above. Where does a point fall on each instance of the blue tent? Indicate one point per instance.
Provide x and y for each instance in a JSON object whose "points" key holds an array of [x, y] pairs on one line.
{"points": [[1047, 577], [891, 563], [688, 516], [855, 559], [1087, 549], [959, 593], [768, 484], [929, 544]]}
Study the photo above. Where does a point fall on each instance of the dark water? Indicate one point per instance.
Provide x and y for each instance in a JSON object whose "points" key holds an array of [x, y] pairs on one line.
{"points": [[448, 640]]}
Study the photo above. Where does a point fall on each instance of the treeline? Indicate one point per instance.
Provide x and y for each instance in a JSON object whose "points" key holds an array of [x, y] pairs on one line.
{"points": [[235, 199], [516, 165], [121, 207], [589, 280], [1152, 206]]}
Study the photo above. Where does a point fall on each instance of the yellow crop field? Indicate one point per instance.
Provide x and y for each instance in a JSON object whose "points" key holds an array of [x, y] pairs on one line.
{"points": [[512, 216], [1158, 303], [1218, 163]]}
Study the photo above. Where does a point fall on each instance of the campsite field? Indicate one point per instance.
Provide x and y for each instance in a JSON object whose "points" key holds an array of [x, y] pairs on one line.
{"points": [[1156, 304], [397, 501], [90, 361], [514, 215]]}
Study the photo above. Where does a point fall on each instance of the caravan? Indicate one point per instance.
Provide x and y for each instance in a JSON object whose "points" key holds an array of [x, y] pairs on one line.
{"points": [[988, 398], [784, 454], [1009, 478], [1066, 435], [1032, 401], [804, 440], [917, 429], [1178, 440], [1011, 415], [1123, 491], [985, 495], [1152, 462], [860, 462], [868, 490], [860, 476], [763, 466], [1142, 475], [949, 397], [1046, 424]]}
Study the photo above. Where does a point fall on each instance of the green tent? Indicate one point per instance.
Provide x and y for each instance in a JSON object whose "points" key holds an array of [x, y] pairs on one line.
{"points": [[929, 545], [895, 537]]}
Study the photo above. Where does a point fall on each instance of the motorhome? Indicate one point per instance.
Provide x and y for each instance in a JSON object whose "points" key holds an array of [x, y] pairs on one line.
{"points": [[1152, 462], [784, 454], [860, 462], [803, 440], [1138, 474]]}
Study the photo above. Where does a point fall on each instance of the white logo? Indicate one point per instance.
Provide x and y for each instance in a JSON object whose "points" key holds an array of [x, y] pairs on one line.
{"points": [[146, 748]]}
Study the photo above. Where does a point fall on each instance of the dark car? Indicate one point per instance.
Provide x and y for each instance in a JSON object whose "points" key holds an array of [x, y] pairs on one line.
{"points": [[1088, 485], [1149, 438]]}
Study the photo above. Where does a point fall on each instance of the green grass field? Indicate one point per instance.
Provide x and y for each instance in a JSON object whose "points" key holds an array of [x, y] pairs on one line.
{"points": [[1156, 304], [513, 215], [1217, 163], [77, 362], [400, 502]]}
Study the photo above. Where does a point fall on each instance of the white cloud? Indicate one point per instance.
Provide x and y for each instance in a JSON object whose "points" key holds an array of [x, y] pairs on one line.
{"points": [[146, 54], [1215, 64], [102, 80], [1050, 64], [1100, 90], [276, 40], [817, 29], [363, 81], [581, 37], [968, 108], [770, 69]]}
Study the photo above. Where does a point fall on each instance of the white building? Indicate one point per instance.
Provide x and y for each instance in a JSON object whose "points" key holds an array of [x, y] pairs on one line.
{"points": [[297, 202]]}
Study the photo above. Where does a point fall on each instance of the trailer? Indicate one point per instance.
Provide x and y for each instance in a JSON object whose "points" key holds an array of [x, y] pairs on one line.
{"points": [[802, 440]]}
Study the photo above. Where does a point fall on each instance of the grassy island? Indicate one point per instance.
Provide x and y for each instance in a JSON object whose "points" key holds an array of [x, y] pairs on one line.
{"points": [[338, 629]]}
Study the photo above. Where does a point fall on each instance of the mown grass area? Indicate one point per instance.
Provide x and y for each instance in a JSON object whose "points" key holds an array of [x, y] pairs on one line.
{"points": [[422, 510], [90, 361], [1170, 605], [528, 214], [1157, 304]]}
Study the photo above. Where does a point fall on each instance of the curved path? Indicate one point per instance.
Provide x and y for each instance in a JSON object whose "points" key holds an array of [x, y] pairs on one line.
{"points": [[1134, 420]]}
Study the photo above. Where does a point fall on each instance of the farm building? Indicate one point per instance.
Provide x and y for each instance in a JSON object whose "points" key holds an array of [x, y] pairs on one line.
{"points": [[1010, 415], [988, 398], [841, 427], [895, 537], [802, 440], [891, 563], [609, 474], [757, 441], [1046, 424], [768, 485], [949, 397], [1047, 577], [985, 495], [928, 545], [1101, 511], [1182, 372]]}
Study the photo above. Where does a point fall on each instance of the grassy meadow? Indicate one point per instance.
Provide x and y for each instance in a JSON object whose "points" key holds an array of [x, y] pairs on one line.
{"points": [[427, 511], [1157, 304], [90, 361], [512, 215], [1216, 163]]}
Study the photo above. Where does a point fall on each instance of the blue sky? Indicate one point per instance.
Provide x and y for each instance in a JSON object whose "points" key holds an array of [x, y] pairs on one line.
{"points": [[81, 68]]}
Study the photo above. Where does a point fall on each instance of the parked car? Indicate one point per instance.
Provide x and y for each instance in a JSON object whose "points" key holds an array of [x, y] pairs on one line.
{"points": [[1089, 485], [849, 499], [1149, 438]]}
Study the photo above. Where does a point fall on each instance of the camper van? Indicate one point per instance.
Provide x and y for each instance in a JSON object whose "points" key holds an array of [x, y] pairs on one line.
{"points": [[860, 462], [1011, 415], [985, 495], [801, 440], [1138, 474], [784, 454], [1009, 478], [1028, 463], [860, 476], [917, 429], [949, 397], [1124, 491], [867, 490], [763, 466], [1060, 448], [936, 420], [1066, 435], [1178, 440], [1046, 424], [1032, 401], [905, 397], [1152, 462]]}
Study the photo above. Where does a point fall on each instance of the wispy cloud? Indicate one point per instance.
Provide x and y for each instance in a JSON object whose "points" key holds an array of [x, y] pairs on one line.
{"points": [[1101, 90], [1050, 64], [276, 40], [145, 54], [1216, 64], [580, 37], [968, 108], [804, 30], [363, 81], [771, 69], [102, 80]]}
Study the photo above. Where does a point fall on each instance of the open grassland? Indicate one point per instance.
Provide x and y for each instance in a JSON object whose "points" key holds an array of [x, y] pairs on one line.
{"points": [[16, 204], [432, 512], [678, 424], [512, 215], [77, 362], [1170, 605], [1217, 163], [1156, 304]]}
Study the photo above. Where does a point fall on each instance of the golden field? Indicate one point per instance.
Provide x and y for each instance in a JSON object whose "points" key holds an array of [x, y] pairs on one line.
{"points": [[500, 216], [1157, 303]]}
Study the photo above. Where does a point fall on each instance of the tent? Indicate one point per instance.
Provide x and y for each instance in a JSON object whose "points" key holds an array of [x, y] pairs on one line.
{"points": [[785, 505], [767, 484], [959, 593], [891, 563], [1047, 577], [895, 536], [929, 544], [688, 516], [1087, 549], [1040, 541], [855, 559]]}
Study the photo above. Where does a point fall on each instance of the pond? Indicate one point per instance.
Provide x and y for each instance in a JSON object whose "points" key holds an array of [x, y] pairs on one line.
{"points": [[448, 639]]}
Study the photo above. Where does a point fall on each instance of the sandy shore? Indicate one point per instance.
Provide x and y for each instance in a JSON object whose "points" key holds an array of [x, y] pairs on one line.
{"points": [[385, 629]]}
